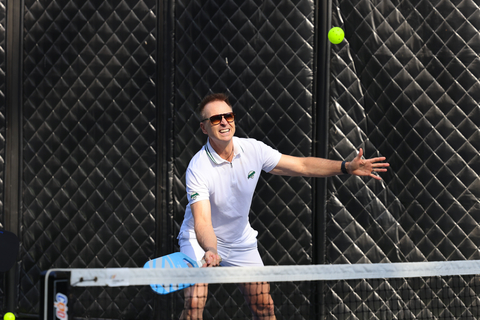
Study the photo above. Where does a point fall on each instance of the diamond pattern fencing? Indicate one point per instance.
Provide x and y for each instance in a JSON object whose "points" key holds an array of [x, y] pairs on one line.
{"points": [[89, 145], [261, 54], [405, 85]]}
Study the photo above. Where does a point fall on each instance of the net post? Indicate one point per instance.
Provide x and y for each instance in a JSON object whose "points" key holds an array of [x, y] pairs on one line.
{"points": [[44, 308]]}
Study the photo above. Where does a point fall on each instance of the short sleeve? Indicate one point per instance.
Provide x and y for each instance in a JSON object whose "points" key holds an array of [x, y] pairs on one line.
{"points": [[271, 157], [197, 186]]}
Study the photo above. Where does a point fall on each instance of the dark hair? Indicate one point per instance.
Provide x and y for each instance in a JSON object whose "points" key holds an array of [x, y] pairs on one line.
{"points": [[210, 98]]}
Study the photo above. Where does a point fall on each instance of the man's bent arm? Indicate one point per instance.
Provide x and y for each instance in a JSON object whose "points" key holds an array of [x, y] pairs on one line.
{"points": [[204, 232]]}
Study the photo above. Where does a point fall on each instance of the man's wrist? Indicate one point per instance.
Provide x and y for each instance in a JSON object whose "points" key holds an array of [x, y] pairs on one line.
{"points": [[212, 249], [343, 167]]}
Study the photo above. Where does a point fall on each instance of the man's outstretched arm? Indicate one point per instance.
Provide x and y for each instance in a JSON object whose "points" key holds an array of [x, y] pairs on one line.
{"points": [[320, 168]]}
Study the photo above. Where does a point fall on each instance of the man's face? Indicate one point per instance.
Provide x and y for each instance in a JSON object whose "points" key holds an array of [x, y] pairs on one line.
{"points": [[223, 131]]}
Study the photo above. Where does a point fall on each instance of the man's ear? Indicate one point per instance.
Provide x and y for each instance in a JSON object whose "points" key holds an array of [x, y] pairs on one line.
{"points": [[202, 126]]}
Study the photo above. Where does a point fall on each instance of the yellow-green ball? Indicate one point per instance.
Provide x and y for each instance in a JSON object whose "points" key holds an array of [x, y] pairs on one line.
{"points": [[336, 35], [9, 316]]}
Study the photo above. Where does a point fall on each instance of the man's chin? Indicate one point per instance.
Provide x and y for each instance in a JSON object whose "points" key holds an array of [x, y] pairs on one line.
{"points": [[222, 138]]}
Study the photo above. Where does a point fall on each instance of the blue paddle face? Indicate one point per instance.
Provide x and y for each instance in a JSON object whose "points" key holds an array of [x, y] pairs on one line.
{"points": [[9, 246], [172, 261]]}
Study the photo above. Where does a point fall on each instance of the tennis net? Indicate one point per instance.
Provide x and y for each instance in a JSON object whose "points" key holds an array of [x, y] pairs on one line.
{"points": [[416, 290]]}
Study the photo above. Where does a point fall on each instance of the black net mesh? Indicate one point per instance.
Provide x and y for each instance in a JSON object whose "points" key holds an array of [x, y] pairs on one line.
{"points": [[454, 297], [446, 290]]}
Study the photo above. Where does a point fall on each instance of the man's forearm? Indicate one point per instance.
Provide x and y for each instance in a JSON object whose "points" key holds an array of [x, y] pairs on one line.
{"points": [[319, 167], [205, 234], [307, 167], [206, 237], [208, 241]]}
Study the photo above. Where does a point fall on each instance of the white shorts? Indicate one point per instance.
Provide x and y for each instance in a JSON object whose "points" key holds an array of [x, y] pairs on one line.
{"points": [[246, 256]]}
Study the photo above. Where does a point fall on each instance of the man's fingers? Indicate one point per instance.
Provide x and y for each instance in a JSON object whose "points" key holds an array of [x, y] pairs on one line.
{"points": [[212, 260], [374, 176], [360, 154]]}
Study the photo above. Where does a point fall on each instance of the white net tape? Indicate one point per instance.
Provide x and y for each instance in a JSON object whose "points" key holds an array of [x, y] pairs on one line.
{"points": [[140, 276]]}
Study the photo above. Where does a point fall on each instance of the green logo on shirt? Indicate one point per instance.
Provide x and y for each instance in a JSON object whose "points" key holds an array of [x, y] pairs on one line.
{"points": [[251, 174], [194, 195]]}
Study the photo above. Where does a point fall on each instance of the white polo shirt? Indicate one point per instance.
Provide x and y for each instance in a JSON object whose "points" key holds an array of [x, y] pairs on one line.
{"points": [[228, 186]]}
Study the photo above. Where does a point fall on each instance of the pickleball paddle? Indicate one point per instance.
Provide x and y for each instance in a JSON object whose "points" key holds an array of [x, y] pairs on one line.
{"points": [[171, 261]]}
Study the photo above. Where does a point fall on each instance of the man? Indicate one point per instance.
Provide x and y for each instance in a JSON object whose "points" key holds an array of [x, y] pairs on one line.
{"points": [[221, 180]]}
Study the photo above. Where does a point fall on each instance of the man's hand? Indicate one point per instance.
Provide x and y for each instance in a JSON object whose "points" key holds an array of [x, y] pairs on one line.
{"points": [[211, 258], [367, 167]]}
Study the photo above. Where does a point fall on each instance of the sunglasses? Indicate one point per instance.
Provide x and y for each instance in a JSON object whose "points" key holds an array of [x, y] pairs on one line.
{"points": [[216, 119]]}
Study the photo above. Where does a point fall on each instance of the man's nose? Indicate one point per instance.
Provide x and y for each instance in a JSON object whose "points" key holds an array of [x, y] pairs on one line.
{"points": [[224, 121]]}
